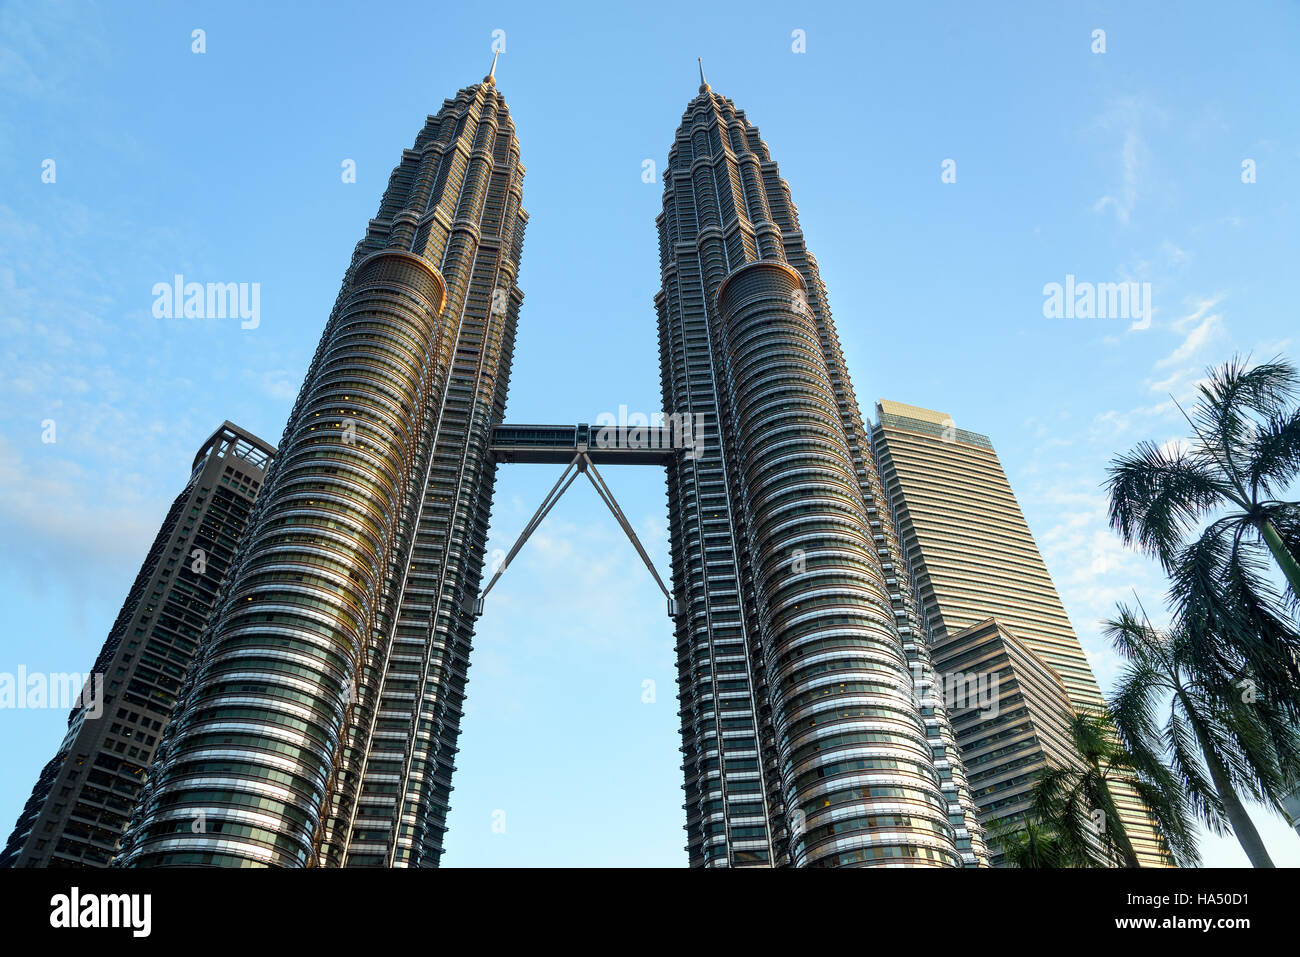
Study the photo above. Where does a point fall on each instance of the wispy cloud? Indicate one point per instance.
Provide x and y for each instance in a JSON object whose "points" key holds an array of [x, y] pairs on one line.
{"points": [[1125, 120], [1123, 200], [1197, 328]]}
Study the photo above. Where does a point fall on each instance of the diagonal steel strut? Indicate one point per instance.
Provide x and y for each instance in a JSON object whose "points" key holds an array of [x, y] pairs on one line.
{"points": [[606, 496], [543, 510], [585, 466]]}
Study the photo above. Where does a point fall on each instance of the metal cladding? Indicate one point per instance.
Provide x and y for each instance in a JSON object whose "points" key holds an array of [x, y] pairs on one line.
{"points": [[319, 726], [805, 742]]}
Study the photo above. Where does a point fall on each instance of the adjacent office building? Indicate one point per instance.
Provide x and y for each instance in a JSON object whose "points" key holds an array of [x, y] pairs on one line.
{"points": [[972, 558], [803, 739], [319, 725], [83, 799], [1011, 714]]}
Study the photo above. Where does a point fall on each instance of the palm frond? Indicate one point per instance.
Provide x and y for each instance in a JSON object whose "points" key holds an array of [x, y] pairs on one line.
{"points": [[1176, 824], [1130, 635], [1230, 398], [1273, 456], [1285, 517], [1030, 843], [1220, 592], [1056, 798], [1255, 615], [1157, 495], [1188, 766]]}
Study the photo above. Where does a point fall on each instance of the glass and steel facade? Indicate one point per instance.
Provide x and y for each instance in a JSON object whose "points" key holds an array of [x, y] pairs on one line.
{"points": [[972, 557], [804, 741], [82, 802], [319, 725]]}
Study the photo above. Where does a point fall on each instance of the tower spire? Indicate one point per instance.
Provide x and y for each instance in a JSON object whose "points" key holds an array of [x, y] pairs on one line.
{"points": [[704, 84], [492, 73]]}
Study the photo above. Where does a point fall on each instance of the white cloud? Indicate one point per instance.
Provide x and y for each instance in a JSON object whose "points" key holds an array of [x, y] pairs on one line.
{"points": [[1198, 327], [1175, 254], [281, 384], [1125, 118], [66, 533], [1125, 199]]}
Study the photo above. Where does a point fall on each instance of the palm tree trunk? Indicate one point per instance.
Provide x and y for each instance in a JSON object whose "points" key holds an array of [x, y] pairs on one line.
{"points": [[1242, 825], [1285, 560], [1115, 836], [1126, 850]]}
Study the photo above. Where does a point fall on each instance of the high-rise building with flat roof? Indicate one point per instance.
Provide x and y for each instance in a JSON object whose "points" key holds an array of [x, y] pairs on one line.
{"points": [[82, 801], [972, 557]]}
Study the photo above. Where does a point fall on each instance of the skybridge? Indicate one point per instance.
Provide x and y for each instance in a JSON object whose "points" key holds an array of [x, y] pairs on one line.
{"points": [[579, 448], [604, 445]]}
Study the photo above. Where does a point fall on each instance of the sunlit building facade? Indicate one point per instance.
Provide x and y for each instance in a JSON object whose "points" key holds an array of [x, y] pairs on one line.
{"points": [[804, 743], [972, 557], [1011, 715], [319, 725]]}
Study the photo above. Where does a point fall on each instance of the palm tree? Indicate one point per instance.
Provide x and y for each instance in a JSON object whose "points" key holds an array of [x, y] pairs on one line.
{"points": [[1077, 801], [1033, 844], [1245, 451], [1246, 746]]}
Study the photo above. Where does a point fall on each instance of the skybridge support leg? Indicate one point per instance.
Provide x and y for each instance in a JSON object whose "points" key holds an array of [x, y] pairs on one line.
{"points": [[606, 496], [548, 503], [584, 465]]}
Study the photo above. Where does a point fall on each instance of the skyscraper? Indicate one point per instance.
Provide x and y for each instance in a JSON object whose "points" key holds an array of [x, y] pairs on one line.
{"points": [[82, 801], [318, 727], [972, 557], [803, 738]]}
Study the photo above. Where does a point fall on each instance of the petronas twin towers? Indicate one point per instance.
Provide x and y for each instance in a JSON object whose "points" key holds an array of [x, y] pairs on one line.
{"points": [[317, 725]]}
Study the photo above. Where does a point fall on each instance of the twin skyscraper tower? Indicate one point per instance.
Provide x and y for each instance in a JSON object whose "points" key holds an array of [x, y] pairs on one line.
{"points": [[315, 723]]}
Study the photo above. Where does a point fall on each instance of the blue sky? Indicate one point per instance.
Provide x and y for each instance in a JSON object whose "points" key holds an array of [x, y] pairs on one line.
{"points": [[225, 166]]}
